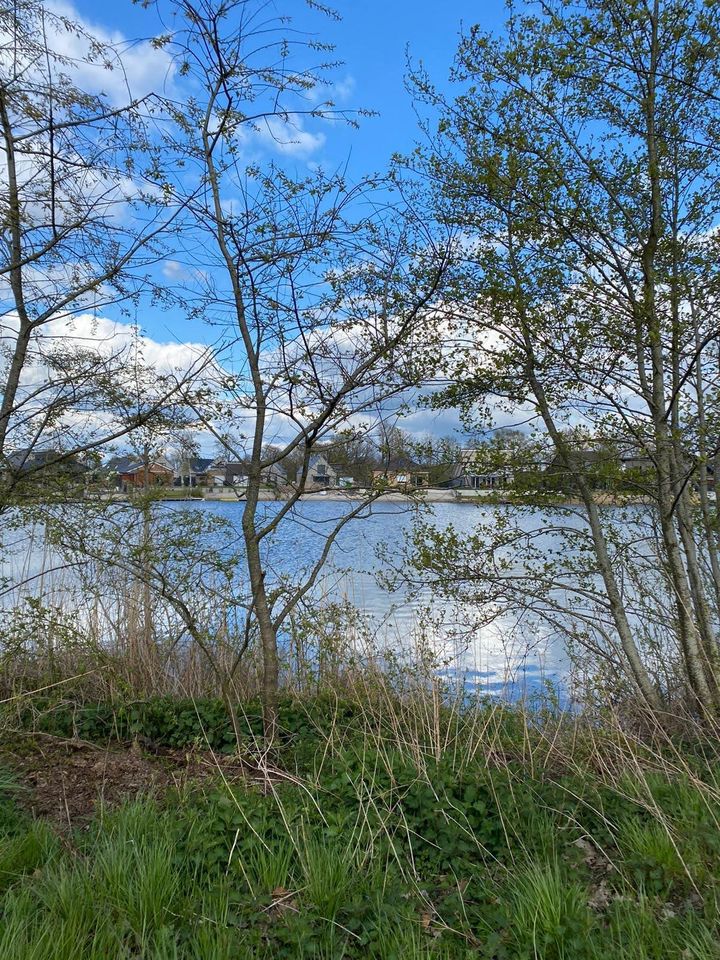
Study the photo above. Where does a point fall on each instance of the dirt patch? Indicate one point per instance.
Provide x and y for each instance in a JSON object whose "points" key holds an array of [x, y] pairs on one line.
{"points": [[65, 780]]}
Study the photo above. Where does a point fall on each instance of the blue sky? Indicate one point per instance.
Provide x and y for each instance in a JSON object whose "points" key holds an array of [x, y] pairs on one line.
{"points": [[374, 39]]}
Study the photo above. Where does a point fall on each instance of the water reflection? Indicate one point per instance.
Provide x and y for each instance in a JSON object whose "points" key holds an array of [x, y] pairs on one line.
{"points": [[510, 655]]}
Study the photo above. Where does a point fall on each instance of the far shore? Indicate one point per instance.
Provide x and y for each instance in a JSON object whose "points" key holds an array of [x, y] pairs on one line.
{"points": [[428, 495]]}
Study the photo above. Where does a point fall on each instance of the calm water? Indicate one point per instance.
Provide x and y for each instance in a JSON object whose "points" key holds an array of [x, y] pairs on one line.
{"points": [[511, 654]]}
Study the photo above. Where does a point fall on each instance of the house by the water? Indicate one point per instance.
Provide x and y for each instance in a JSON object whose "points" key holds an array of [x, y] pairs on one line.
{"points": [[234, 473], [402, 473], [470, 474], [324, 475], [134, 473]]}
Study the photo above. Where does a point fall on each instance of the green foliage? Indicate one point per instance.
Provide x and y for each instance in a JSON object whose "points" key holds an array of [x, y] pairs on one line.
{"points": [[551, 917], [29, 846], [380, 852], [176, 722]]}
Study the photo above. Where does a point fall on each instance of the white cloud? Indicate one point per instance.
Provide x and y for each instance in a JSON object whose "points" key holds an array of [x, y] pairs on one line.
{"points": [[289, 137], [134, 71], [109, 337], [337, 92], [342, 90], [67, 357], [173, 270]]}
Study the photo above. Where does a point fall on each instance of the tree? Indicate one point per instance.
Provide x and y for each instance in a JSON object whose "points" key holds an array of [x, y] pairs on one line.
{"points": [[441, 455], [319, 290], [393, 441], [186, 448], [83, 212], [581, 161]]}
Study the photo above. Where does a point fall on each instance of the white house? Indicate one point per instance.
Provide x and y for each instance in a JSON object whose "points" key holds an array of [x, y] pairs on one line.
{"points": [[321, 473], [469, 475]]}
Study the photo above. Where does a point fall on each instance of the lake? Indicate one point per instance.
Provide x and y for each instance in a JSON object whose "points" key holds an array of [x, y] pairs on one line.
{"points": [[503, 657], [503, 651]]}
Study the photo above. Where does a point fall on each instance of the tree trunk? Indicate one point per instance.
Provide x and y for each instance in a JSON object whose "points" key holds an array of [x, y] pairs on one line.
{"points": [[263, 615], [666, 490]]}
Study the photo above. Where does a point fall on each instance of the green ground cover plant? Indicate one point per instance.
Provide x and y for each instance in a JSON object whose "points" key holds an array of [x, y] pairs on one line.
{"points": [[504, 839]]}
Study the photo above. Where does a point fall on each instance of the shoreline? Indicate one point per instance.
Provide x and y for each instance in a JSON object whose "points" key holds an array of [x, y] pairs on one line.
{"points": [[427, 496], [431, 496]]}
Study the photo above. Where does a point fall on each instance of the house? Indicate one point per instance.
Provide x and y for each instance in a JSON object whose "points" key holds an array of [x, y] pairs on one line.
{"points": [[635, 461], [274, 475], [234, 473], [135, 473], [402, 472], [321, 473], [599, 464], [47, 468], [635, 457], [215, 475], [470, 474], [191, 473], [34, 459], [471, 479]]}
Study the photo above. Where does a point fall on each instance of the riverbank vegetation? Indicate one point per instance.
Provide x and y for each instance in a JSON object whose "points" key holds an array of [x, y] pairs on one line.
{"points": [[386, 823], [394, 815]]}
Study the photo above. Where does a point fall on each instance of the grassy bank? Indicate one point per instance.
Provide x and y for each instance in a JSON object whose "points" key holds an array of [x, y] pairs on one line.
{"points": [[388, 830]]}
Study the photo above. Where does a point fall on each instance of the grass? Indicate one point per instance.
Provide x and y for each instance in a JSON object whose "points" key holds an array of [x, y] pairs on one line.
{"points": [[394, 840]]}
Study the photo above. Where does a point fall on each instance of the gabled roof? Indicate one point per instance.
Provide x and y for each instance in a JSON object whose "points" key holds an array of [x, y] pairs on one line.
{"points": [[312, 462], [31, 455], [199, 464], [229, 466], [320, 455], [29, 458], [126, 464], [120, 464]]}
